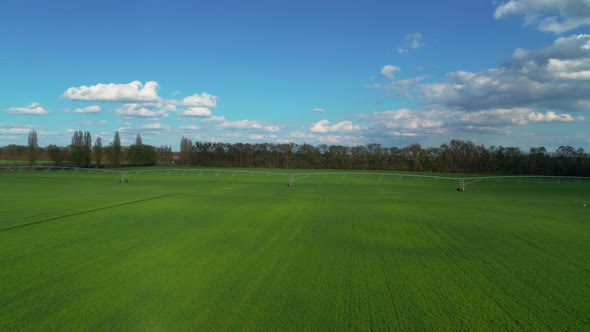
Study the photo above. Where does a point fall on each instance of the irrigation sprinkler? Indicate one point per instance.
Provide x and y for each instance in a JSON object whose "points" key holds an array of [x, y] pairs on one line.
{"points": [[124, 178], [461, 187]]}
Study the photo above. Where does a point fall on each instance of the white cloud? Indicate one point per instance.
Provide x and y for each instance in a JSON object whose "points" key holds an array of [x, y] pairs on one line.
{"points": [[140, 111], [302, 135], [406, 122], [420, 123], [323, 126], [92, 123], [196, 112], [248, 125], [134, 92], [552, 117], [347, 140], [576, 69], [17, 131], [388, 71], [556, 77], [403, 88], [154, 126], [151, 128], [88, 110], [214, 119], [33, 109], [548, 15], [189, 127], [203, 100], [413, 41], [318, 110]]}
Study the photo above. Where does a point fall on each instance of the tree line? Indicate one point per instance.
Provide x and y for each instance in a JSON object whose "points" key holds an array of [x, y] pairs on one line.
{"points": [[457, 156], [82, 152]]}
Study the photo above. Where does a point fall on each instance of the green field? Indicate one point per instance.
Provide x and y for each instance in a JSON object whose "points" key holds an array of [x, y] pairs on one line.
{"points": [[174, 251]]}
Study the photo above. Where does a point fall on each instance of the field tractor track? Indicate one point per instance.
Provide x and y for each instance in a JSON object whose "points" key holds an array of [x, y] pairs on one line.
{"points": [[452, 255], [82, 212]]}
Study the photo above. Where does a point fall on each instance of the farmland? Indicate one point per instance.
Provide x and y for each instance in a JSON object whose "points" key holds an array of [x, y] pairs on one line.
{"points": [[223, 251]]}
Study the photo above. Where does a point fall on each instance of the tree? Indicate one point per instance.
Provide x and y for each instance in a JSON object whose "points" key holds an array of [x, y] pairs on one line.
{"points": [[115, 156], [138, 140], [56, 153], [142, 155], [186, 148], [32, 147], [98, 150], [87, 141], [80, 149], [74, 155], [164, 153]]}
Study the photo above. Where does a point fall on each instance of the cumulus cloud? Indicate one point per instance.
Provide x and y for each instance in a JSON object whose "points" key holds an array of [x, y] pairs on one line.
{"points": [[318, 110], [196, 112], [388, 71], [576, 69], [413, 41], [214, 118], [323, 126], [263, 137], [302, 135], [92, 123], [33, 109], [403, 88], [339, 139], [404, 122], [555, 77], [349, 140], [552, 117], [154, 126], [189, 127], [548, 15], [88, 110], [15, 131], [420, 123], [134, 92], [150, 128], [200, 100], [248, 125], [135, 110]]}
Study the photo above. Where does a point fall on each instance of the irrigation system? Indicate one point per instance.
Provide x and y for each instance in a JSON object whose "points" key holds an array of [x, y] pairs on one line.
{"points": [[123, 174]]}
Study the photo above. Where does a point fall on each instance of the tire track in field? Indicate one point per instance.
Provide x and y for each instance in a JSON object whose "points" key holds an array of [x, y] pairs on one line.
{"points": [[82, 212], [551, 254], [349, 279], [466, 271], [390, 292]]}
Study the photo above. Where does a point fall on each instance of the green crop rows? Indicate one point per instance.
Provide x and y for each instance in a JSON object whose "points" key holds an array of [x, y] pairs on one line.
{"points": [[174, 251]]}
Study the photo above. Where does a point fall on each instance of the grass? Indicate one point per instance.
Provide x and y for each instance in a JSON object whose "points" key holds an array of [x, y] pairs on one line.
{"points": [[168, 251], [5, 162]]}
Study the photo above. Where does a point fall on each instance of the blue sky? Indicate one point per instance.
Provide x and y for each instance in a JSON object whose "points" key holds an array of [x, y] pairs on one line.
{"points": [[513, 73]]}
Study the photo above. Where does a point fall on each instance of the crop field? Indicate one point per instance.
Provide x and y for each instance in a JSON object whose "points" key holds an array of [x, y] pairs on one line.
{"points": [[236, 251]]}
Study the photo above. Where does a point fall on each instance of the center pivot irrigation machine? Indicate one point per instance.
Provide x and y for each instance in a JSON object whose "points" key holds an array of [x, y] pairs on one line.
{"points": [[462, 182]]}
